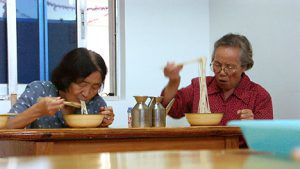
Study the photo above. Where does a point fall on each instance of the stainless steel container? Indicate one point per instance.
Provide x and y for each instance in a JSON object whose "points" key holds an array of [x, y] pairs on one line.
{"points": [[141, 116], [158, 113]]}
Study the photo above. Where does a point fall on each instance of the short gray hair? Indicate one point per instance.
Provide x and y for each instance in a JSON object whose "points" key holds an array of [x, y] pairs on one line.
{"points": [[235, 40]]}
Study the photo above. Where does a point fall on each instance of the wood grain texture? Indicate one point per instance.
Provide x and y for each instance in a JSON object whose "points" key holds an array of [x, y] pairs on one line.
{"points": [[16, 148], [231, 142], [95, 133], [125, 145], [73, 141], [196, 159]]}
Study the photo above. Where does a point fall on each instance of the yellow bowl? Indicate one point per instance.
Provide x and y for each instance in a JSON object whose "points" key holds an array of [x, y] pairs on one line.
{"points": [[83, 120], [3, 120], [204, 119]]}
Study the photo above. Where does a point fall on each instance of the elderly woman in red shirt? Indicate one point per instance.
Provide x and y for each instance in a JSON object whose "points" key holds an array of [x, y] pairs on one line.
{"points": [[230, 91]]}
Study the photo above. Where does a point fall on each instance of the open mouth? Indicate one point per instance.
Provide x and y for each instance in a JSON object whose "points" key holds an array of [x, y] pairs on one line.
{"points": [[222, 81]]}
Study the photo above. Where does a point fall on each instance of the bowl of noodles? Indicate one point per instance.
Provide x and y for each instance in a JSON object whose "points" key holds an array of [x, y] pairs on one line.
{"points": [[83, 120], [204, 119]]}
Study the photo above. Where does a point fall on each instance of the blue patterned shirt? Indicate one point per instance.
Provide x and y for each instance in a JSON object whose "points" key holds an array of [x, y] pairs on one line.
{"points": [[37, 89]]}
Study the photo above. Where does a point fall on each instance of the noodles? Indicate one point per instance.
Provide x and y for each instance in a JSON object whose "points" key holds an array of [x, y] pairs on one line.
{"points": [[203, 106], [83, 107]]}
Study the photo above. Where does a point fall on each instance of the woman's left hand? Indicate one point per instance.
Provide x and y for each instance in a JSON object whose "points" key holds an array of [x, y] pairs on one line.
{"points": [[246, 114], [296, 153], [108, 116]]}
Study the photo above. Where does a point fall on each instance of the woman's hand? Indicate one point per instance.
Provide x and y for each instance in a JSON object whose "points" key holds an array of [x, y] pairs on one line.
{"points": [[295, 154], [50, 105], [171, 70], [108, 116], [246, 114]]}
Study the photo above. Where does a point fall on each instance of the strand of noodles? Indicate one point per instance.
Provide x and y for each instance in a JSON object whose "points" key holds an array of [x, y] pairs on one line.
{"points": [[203, 106], [83, 107]]}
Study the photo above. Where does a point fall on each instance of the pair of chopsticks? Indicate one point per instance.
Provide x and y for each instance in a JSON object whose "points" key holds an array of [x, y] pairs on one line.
{"points": [[197, 60], [72, 104], [169, 106], [188, 62]]}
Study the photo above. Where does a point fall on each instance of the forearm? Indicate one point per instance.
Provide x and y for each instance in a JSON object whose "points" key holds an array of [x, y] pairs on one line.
{"points": [[170, 90], [25, 118]]}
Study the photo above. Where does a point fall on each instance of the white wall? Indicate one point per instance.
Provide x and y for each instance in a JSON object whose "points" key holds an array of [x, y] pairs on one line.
{"points": [[273, 27], [158, 31]]}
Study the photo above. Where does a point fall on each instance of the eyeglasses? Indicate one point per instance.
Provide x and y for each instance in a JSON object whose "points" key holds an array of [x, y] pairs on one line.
{"points": [[217, 67]]}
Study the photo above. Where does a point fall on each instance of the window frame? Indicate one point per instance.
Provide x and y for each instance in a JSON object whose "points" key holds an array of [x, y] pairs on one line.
{"points": [[115, 7], [116, 40]]}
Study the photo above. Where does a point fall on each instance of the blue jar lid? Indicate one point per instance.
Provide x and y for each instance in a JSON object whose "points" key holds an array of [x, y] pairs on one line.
{"points": [[129, 109]]}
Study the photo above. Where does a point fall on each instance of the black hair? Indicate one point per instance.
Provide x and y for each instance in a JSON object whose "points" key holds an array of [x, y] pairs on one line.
{"points": [[76, 65]]}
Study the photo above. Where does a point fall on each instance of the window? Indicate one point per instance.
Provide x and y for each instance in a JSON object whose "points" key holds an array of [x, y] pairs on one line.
{"points": [[100, 36], [27, 24], [45, 30], [3, 43]]}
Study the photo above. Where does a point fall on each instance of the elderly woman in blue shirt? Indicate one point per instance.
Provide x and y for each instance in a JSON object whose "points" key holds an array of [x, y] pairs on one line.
{"points": [[79, 76]]}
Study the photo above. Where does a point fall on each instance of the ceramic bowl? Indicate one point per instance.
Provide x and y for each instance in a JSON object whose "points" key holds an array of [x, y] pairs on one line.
{"points": [[83, 120], [204, 119], [275, 136], [4, 118]]}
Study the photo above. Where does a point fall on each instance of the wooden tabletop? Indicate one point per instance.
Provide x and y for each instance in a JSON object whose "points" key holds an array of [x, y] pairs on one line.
{"points": [[96, 133], [221, 159], [27, 142]]}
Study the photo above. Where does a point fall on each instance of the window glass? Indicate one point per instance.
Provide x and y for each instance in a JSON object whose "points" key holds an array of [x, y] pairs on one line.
{"points": [[47, 29], [3, 43], [27, 41], [62, 30], [98, 34]]}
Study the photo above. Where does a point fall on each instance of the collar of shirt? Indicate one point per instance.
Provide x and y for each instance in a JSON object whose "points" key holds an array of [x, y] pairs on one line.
{"points": [[239, 91]]}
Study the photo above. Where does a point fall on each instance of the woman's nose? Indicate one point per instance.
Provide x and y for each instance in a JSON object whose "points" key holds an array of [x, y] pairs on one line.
{"points": [[222, 71], [85, 92]]}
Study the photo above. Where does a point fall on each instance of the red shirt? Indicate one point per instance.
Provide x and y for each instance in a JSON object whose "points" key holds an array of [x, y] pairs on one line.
{"points": [[247, 95]]}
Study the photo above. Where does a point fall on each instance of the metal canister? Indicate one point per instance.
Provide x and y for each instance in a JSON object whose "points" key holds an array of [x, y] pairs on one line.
{"points": [[158, 113], [141, 117]]}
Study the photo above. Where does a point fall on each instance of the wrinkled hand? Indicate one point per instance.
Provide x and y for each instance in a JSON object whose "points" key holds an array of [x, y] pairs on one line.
{"points": [[171, 70], [245, 114], [50, 105], [295, 154], [108, 116]]}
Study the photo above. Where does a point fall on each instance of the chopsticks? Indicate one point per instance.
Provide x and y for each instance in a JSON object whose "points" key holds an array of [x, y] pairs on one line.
{"points": [[169, 106], [197, 60], [73, 104], [67, 103], [189, 62]]}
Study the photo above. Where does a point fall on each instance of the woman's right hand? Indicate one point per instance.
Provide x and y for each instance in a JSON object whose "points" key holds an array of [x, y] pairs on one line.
{"points": [[171, 70], [44, 106], [50, 105]]}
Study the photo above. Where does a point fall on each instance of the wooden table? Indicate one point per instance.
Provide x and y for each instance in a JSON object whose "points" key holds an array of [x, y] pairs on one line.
{"points": [[191, 159], [68, 141]]}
